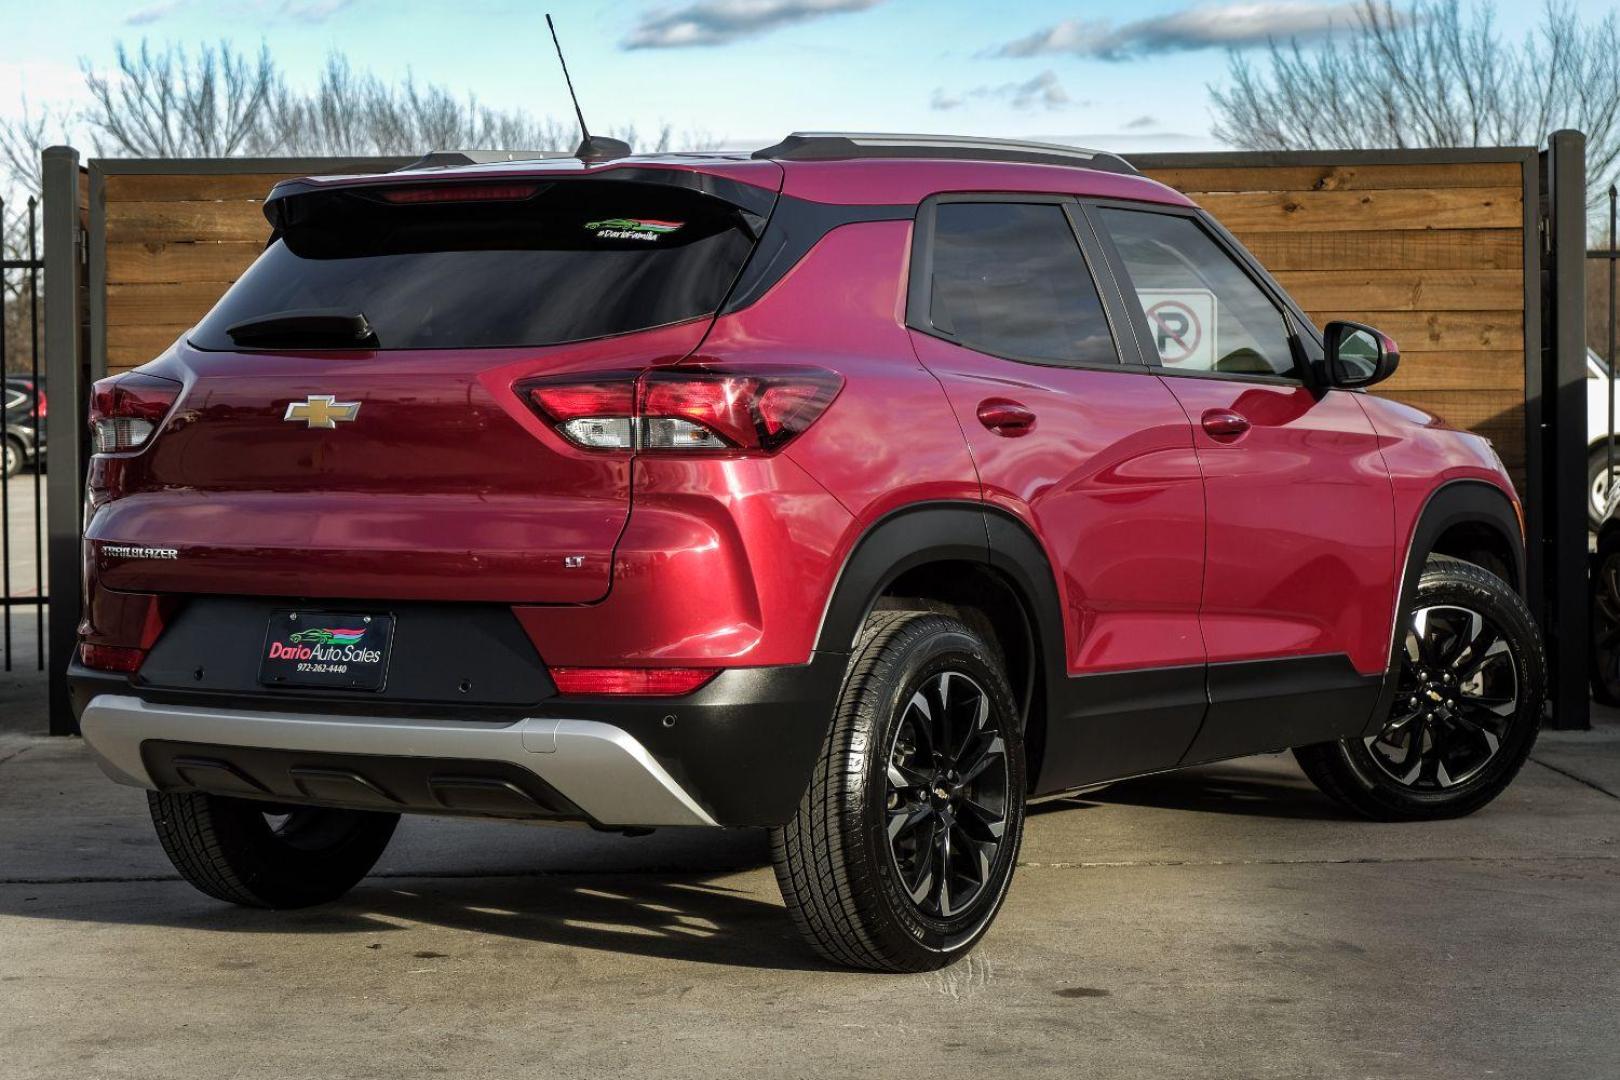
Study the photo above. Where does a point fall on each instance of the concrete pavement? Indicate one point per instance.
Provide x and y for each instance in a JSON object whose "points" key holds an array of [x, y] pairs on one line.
{"points": [[1222, 922]]}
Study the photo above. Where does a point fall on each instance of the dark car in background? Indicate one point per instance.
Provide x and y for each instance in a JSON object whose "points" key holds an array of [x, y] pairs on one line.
{"points": [[24, 427]]}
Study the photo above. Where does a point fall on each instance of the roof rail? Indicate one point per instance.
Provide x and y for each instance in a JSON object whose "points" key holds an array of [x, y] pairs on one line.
{"points": [[843, 145], [440, 159]]}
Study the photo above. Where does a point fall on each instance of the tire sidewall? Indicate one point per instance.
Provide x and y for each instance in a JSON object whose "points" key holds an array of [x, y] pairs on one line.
{"points": [[944, 649]]}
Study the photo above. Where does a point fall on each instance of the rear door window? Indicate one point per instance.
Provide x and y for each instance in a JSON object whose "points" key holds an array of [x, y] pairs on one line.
{"points": [[526, 263], [1009, 279]]}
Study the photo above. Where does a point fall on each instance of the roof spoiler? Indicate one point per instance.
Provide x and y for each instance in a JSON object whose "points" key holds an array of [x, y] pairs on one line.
{"points": [[444, 159], [843, 146]]}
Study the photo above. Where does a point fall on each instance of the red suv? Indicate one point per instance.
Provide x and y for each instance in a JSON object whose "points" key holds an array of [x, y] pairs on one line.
{"points": [[864, 488]]}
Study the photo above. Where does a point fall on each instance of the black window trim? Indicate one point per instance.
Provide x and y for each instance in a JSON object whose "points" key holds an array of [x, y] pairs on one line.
{"points": [[919, 294], [1301, 331]]}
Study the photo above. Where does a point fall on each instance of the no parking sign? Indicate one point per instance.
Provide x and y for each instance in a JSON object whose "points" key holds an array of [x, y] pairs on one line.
{"points": [[1183, 325]]}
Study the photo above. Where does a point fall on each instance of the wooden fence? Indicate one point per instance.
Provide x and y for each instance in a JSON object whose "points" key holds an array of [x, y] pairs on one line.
{"points": [[1433, 253]]}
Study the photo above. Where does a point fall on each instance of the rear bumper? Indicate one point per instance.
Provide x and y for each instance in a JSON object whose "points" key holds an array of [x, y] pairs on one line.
{"points": [[738, 752], [598, 768]]}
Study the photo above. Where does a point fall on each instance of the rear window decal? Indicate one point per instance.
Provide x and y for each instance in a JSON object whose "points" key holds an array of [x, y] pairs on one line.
{"points": [[624, 228]]}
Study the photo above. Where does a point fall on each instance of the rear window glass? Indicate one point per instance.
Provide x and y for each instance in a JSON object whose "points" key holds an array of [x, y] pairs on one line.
{"points": [[1009, 280], [568, 261]]}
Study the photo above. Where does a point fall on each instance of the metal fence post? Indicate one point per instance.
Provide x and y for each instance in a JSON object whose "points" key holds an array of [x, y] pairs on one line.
{"points": [[65, 425], [1567, 628]]}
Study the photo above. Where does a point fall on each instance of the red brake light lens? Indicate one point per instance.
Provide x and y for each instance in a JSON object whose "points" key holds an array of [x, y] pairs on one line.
{"points": [[644, 682], [686, 410], [598, 415], [111, 657], [39, 403], [461, 193], [127, 408]]}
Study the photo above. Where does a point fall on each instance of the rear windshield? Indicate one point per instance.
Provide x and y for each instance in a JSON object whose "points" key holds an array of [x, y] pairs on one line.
{"points": [[566, 261]]}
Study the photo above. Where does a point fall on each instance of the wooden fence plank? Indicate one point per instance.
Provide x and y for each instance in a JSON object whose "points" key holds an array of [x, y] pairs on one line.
{"points": [[1457, 249], [131, 346], [1204, 180], [1406, 290], [191, 187], [1439, 208], [1440, 331], [140, 222], [1481, 371], [163, 305], [152, 262]]}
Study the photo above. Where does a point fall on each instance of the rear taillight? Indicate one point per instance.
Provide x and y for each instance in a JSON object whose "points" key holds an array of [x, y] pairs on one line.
{"points": [[685, 411], [645, 682], [39, 404], [127, 408], [111, 657]]}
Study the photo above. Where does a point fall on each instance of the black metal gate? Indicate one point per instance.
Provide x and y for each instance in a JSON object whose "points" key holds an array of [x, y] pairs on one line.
{"points": [[24, 406]]}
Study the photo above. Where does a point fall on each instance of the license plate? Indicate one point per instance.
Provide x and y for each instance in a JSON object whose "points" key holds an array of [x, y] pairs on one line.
{"points": [[337, 650]]}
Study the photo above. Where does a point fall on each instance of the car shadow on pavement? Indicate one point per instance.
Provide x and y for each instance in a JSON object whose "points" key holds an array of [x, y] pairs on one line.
{"points": [[1255, 787], [723, 913]]}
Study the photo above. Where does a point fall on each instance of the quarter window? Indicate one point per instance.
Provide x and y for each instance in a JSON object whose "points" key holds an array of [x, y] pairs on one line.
{"points": [[1204, 312], [1009, 279]]}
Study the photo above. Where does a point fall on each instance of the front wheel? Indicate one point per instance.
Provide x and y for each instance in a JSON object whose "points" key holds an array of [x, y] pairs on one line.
{"points": [[1598, 481], [1467, 705], [264, 855], [902, 850]]}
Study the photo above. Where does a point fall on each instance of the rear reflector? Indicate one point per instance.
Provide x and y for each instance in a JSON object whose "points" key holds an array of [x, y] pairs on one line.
{"points": [[645, 682], [685, 410], [127, 408], [111, 657]]}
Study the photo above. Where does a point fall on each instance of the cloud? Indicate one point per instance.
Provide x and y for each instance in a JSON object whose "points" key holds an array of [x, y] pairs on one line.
{"points": [[1141, 122], [151, 13], [1205, 26], [718, 22], [1043, 91], [313, 11]]}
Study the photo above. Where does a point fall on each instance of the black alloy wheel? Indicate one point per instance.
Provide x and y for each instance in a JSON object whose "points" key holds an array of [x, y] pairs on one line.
{"points": [[947, 794]]}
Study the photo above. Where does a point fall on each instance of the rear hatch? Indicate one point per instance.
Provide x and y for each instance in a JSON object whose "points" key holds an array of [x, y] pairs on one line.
{"points": [[349, 426]]}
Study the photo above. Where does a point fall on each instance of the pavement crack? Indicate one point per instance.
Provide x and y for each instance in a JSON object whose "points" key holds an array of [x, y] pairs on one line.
{"points": [[15, 754], [1578, 779]]}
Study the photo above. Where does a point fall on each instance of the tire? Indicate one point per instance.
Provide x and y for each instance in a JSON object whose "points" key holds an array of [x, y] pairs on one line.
{"points": [[1605, 655], [1474, 666], [12, 462], [233, 851], [1596, 486], [859, 898]]}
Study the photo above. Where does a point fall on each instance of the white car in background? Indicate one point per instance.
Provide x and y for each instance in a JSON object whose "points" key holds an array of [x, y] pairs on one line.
{"points": [[1597, 422]]}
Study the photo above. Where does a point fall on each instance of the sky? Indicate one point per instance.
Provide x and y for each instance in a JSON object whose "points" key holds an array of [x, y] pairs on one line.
{"points": [[1126, 77]]}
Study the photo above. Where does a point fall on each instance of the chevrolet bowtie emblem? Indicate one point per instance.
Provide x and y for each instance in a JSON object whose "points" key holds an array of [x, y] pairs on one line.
{"points": [[322, 410]]}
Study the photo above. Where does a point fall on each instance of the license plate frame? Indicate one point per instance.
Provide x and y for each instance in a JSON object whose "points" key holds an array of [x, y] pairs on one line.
{"points": [[315, 649]]}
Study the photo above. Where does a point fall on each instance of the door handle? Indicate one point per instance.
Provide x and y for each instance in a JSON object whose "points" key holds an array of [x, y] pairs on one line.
{"points": [[1005, 417], [1224, 423]]}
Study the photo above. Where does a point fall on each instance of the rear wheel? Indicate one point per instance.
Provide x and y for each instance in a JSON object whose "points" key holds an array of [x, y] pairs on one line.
{"points": [[1467, 705], [262, 855], [902, 850], [11, 462]]}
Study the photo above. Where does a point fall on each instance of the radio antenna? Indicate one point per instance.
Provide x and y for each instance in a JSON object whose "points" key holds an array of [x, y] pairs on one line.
{"points": [[591, 147]]}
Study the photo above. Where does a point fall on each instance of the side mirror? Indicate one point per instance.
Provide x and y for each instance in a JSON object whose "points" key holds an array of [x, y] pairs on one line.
{"points": [[1358, 355]]}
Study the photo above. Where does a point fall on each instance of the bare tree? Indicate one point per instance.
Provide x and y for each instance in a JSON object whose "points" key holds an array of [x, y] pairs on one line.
{"points": [[218, 102], [1430, 75], [169, 103]]}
